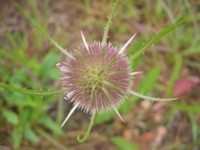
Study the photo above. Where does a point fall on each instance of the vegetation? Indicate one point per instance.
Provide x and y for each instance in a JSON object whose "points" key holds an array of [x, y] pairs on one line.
{"points": [[32, 105]]}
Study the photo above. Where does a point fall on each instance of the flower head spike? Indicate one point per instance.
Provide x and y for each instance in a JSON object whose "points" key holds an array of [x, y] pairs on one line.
{"points": [[97, 76]]}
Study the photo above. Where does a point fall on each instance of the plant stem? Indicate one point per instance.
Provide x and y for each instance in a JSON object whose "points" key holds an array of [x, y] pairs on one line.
{"points": [[60, 110], [30, 92], [105, 35], [81, 140]]}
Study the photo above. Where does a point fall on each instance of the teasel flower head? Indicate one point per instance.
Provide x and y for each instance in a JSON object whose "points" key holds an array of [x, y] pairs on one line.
{"points": [[96, 76]]}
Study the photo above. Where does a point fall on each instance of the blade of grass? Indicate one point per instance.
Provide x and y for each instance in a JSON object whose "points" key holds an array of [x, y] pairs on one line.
{"points": [[195, 126], [162, 33], [192, 108]]}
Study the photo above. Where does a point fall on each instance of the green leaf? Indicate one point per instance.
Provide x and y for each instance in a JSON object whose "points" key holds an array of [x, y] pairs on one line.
{"points": [[48, 69], [21, 100], [149, 80], [30, 92], [123, 144], [17, 136], [126, 106], [137, 45], [50, 124], [101, 118], [195, 126], [30, 135], [134, 50], [162, 33], [34, 65], [19, 77], [192, 108], [10, 116]]}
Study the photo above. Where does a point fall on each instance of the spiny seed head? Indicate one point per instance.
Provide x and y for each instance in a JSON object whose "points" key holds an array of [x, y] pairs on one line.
{"points": [[96, 77]]}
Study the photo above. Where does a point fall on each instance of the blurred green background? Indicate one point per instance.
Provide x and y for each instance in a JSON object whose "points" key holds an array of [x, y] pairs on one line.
{"points": [[171, 68]]}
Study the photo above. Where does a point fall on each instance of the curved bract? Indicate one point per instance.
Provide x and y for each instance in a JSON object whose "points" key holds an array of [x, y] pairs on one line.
{"points": [[31, 92]]}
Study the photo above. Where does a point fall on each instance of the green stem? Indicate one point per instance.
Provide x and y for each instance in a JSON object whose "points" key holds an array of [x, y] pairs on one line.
{"points": [[30, 92], [81, 140], [60, 109], [105, 35]]}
